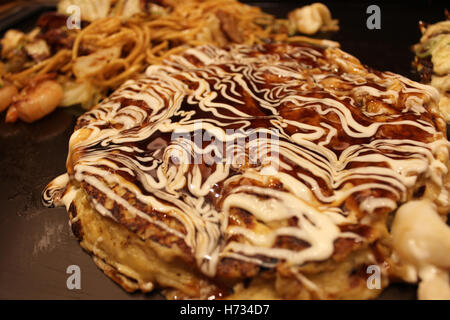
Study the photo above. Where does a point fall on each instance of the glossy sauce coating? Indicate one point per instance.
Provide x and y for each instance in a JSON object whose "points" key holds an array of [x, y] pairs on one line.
{"points": [[336, 144]]}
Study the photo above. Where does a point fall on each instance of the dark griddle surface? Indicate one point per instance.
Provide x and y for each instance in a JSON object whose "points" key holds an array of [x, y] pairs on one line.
{"points": [[36, 244]]}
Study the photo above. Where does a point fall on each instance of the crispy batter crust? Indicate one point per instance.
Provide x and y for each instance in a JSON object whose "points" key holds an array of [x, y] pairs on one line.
{"points": [[137, 264]]}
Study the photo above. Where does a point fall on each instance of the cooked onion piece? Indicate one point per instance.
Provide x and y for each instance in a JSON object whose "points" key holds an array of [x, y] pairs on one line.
{"points": [[313, 18]]}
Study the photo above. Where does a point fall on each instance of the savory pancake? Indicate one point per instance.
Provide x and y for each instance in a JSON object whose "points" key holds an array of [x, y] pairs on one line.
{"points": [[266, 171]]}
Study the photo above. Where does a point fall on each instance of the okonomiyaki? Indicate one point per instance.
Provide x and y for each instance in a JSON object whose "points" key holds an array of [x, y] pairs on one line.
{"points": [[273, 171]]}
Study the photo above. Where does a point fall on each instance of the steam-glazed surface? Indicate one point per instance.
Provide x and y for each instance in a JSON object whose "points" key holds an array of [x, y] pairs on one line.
{"points": [[264, 156]]}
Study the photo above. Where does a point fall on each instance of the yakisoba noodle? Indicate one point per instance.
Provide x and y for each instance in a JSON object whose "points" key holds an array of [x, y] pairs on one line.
{"points": [[148, 39], [58, 60], [112, 32]]}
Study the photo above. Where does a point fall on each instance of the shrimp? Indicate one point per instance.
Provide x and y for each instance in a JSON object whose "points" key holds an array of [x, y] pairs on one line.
{"points": [[36, 101], [11, 115], [7, 94]]}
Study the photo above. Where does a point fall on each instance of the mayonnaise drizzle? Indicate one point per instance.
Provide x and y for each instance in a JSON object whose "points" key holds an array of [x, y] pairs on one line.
{"points": [[329, 148]]}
